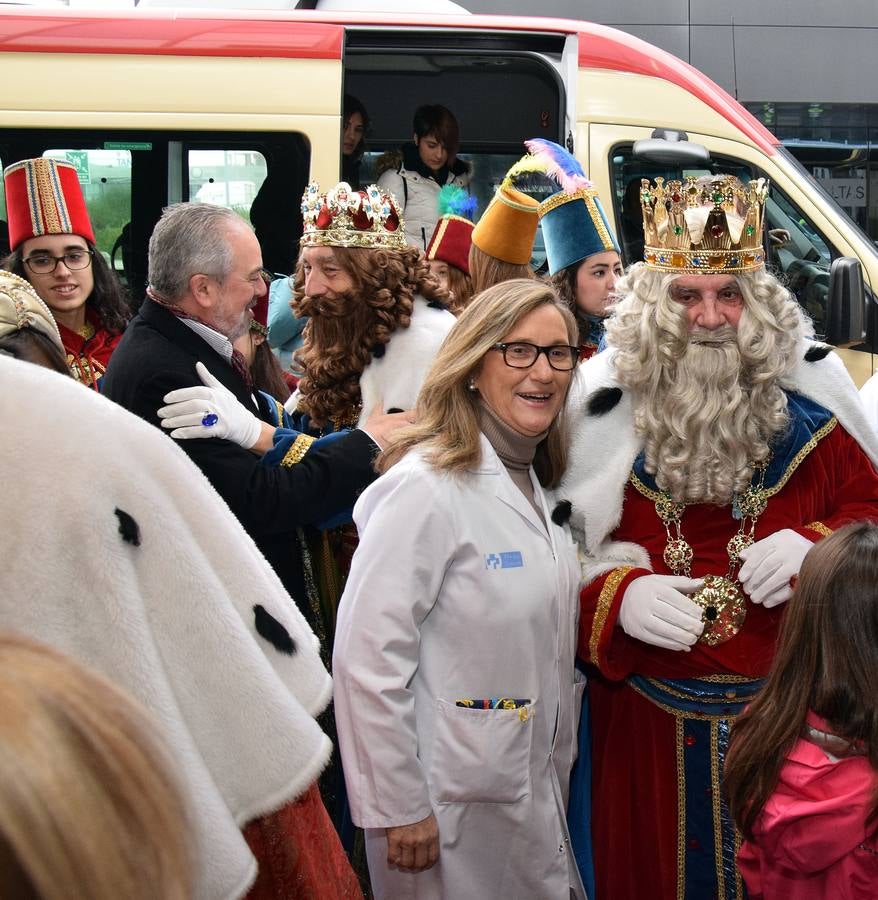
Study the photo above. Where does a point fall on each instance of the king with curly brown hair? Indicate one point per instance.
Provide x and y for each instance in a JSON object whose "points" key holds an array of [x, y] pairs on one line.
{"points": [[376, 316]]}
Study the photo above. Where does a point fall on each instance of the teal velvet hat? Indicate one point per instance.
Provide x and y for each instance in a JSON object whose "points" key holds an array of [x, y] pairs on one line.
{"points": [[573, 220], [574, 228]]}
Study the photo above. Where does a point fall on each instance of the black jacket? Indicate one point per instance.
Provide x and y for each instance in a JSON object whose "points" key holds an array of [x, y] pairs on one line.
{"points": [[157, 354]]}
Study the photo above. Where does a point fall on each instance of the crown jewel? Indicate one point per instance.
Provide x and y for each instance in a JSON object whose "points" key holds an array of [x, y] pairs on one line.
{"points": [[343, 217], [703, 225]]}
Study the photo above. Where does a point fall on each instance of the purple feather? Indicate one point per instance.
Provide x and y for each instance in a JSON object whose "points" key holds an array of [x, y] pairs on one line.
{"points": [[559, 164]]}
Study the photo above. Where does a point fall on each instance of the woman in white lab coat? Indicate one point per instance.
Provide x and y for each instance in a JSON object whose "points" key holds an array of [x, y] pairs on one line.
{"points": [[455, 692]]}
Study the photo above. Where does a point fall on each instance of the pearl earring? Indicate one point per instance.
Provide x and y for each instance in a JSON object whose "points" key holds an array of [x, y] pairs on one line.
{"points": [[472, 384]]}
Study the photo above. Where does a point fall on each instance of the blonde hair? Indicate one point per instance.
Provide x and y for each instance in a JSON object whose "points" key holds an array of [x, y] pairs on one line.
{"points": [[447, 417], [88, 805], [485, 270], [706, 415]]}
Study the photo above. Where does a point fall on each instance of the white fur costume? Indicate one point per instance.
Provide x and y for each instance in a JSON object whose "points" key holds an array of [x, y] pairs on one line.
{"points": [[118, 552], [604, 447]]}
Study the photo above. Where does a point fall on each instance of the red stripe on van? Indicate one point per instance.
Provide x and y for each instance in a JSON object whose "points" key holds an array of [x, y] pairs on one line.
{"points": [[145, 32], [308, 35]]}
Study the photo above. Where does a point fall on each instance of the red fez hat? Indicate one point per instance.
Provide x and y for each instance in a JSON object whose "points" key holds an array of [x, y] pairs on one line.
{"points": [[43, 196], [451, 241]]}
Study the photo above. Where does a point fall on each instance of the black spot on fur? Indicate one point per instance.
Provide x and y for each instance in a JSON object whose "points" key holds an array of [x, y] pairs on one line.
{"points": [[561, 513], [816, 352], [378, 351], [272, 630], [128, 528], [395, 409], [436, 304], [602, 401]]}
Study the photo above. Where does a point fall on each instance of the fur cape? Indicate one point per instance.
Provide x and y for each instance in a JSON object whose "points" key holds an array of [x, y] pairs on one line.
{"points": [[604, 446], [118, 552]]}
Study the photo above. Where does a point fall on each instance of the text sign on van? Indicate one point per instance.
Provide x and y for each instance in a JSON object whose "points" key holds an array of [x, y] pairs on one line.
{"points": [[79, 160], [127, 145]]}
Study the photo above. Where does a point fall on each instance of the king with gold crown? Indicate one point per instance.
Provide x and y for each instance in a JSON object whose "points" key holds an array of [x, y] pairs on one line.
{"points": [[713, 442]]}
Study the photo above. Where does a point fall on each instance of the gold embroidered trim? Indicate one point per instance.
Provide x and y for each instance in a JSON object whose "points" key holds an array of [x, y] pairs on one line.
{"points": [[681, 813], [278, 411], [677, 714], [820, 528], [605, 601], [724, 679], [298, 450], [724, 700], [715, 803], [796, 461]]}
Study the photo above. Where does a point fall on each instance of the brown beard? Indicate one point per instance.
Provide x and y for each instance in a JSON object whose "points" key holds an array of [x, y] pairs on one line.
{"points": [[333, 355]]}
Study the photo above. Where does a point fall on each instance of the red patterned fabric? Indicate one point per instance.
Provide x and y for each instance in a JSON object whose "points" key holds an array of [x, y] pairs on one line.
{"points": [[43, 196], [633, 749], [299, 854], [88, 358]]}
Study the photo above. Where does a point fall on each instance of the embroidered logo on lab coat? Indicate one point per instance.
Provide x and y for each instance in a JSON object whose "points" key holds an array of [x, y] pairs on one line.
{"points": [[511, 559]]}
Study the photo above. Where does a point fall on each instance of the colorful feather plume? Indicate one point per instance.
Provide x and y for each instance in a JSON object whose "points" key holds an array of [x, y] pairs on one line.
{"points": [[455, 201], [558, 164], [528, 172]]}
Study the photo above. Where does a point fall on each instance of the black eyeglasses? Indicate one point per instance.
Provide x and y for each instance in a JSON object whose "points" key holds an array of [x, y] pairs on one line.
{"points": [[45, 263], [522, 355]]}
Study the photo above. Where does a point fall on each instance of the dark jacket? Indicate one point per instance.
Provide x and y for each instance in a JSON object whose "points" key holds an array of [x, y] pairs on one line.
{"points": [[156, 355]]}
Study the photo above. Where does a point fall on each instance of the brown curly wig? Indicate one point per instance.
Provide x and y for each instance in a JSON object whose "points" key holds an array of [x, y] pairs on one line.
{"points": [[344, 333]]}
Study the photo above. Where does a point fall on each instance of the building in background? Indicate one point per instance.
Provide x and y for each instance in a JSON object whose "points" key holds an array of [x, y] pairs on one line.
{"points": [[805, 68]]}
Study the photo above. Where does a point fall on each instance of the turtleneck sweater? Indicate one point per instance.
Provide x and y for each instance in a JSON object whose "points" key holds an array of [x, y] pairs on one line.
{"points": [[516, 451]]}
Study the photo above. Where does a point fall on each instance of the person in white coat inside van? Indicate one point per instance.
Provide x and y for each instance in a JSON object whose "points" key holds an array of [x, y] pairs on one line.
{"points": [[455, 688], [417, 172]]}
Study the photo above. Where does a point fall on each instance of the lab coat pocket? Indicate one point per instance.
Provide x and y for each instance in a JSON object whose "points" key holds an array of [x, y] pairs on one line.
{"points": [[481, 755]]}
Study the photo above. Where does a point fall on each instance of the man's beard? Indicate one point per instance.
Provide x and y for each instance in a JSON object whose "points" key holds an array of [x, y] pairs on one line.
{"points": [[701, 436], [335, 350]]}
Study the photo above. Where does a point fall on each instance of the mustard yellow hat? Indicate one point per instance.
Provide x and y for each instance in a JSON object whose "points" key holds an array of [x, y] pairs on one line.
{"points": [[508, 226]]}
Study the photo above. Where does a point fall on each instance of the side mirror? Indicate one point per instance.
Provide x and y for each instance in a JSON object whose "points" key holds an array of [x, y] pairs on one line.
{"points": [[846, 303], [671, 148]]}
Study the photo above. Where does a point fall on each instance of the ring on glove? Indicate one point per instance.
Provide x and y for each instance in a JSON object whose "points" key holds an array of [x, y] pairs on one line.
{"points": [[209, 419]]}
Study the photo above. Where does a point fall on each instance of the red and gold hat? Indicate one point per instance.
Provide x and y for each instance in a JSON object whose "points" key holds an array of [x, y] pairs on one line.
{"points": [[451, 241], [43, 196]]}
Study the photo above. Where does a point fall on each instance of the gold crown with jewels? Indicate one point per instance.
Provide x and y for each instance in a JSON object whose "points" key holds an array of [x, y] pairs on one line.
{"points": [[703, 226], [344, 217]]}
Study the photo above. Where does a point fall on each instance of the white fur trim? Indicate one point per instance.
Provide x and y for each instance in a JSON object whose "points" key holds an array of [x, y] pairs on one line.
{"points": [[395, 379], [171, 620]]}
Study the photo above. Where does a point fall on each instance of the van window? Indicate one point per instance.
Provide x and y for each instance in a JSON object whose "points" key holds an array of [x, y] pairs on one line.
{"points": [[797, 252], [128, 177], [229, 178]]}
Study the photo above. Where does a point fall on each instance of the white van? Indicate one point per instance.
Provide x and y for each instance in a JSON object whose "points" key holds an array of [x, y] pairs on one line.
{"points": [[244, 107]]}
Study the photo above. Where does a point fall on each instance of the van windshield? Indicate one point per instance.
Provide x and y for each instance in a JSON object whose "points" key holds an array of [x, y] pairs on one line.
{"points": [[797, 252], [830, 199]]}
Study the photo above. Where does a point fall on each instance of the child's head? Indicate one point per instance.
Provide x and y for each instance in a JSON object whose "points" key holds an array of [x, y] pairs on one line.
{"points": [[826, 661], [829, 640]]}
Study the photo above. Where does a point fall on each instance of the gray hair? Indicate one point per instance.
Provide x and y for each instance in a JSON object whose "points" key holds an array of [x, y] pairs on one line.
{"points": [[189, 239]]}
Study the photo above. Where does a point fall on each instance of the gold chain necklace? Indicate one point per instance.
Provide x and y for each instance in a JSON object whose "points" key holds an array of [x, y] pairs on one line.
{"points": [[722, 602]]}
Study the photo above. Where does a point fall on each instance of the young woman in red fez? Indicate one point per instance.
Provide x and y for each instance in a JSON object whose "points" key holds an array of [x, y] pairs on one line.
{"points": [[53, 247]]}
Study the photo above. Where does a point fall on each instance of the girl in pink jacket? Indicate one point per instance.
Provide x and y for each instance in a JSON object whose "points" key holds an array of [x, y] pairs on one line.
{"points": [[800, 777]]}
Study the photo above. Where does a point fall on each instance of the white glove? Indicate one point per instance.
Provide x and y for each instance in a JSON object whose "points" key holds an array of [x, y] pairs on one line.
{"points": [[189, 409], [656, 610], [769, 565]]}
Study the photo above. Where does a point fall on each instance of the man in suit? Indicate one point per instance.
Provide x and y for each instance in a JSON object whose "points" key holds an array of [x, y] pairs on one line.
{"points": [[205, 275]]}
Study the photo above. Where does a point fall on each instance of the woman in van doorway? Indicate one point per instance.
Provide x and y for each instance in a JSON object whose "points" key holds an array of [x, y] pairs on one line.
{"points": [[415, 173], [53, 247]]}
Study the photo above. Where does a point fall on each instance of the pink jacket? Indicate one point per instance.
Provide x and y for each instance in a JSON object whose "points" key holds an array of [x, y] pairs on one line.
{"points": [[811, 841]]}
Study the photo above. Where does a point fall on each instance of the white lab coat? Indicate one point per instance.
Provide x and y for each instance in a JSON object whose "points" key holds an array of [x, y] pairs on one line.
{"points": [[458, 590]]}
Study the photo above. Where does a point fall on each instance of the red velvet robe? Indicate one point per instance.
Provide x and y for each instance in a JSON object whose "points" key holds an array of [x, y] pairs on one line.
{"points": [[88, 358], [635, 746]]}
